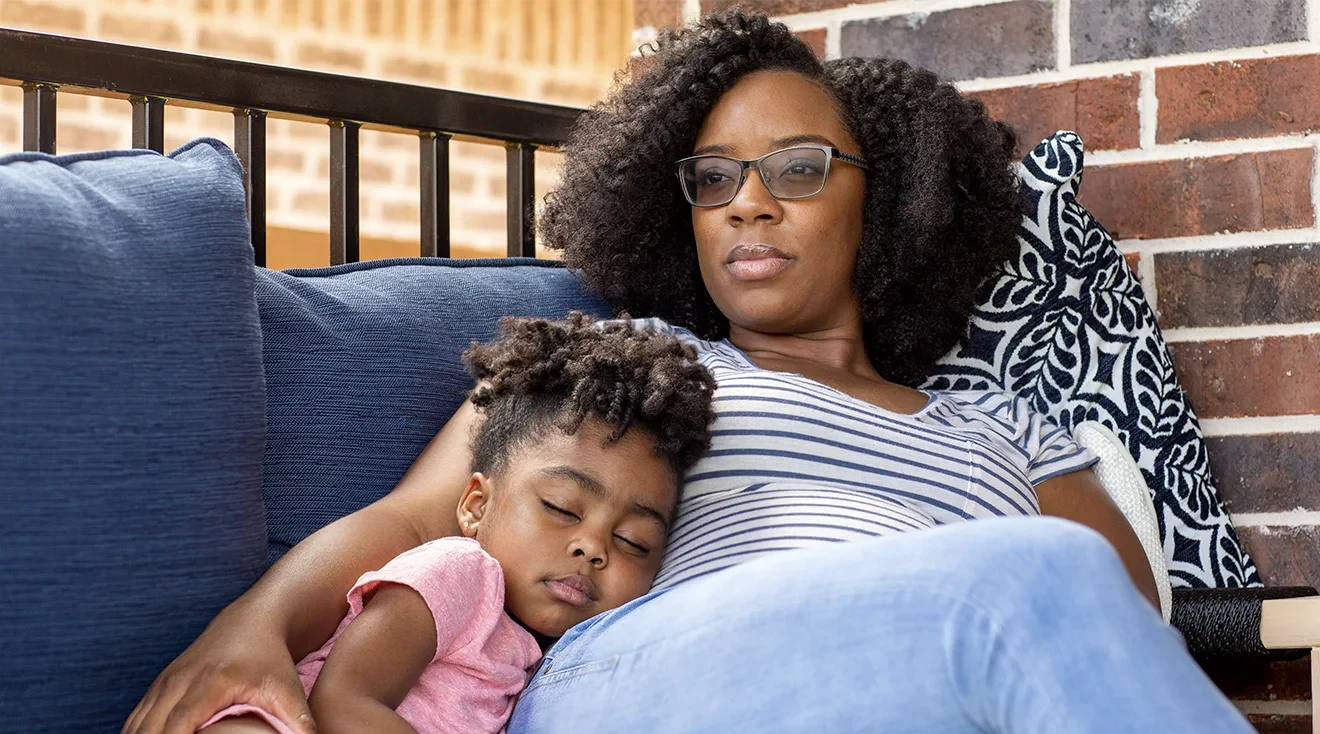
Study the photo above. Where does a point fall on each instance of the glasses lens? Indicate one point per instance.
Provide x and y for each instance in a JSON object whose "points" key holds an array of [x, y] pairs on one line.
{"points": [[710, 180], [796, 172]]}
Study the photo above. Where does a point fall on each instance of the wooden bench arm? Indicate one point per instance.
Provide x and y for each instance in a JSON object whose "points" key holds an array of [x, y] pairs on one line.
{"points": [[1287, 624]]}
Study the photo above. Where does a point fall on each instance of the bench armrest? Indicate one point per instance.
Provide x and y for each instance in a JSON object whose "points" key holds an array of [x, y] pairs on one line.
{"points": [[1287, 624], [1233, 623]]}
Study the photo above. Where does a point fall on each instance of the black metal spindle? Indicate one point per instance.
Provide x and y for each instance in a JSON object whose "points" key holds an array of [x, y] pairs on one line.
{"points": [[148, 123], [39, 118], [435, 194], [344, 192], [520, 175], [250, 144]]}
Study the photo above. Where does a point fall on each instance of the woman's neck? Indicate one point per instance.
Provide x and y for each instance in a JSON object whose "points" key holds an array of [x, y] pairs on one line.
{"points": [[839, 347]]}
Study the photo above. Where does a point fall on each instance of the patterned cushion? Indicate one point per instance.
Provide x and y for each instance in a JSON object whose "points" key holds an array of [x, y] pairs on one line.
{"points": [[1068, 327], [362, 369], [132, 416]]}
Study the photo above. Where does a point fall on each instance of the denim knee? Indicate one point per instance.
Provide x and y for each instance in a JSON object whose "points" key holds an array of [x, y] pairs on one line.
{"points": [[1043, 558]]}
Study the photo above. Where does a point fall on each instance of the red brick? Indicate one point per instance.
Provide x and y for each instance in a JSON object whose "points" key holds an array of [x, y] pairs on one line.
{"points": [[314, 203], [1103, 111], [1276, 724], [815, 38], [399, 67], [783, 7], [1180, 198], [375, 172], [369, 171], [373, 140], [1239, 99], [1000, 39], [310, 131], [71, 137], [1251, 377], [1275, 284], [657, 13], [491, 81], [460, 182], [317, 56], [137, 29], [480, 152], [573, 93], [1107, 30], [41, 16], [291, 161], [1285, 556], [1260, 680], [237, 45], [1274, 472], [483, 219], [73, 103], [401, 212], [1133, 260]]}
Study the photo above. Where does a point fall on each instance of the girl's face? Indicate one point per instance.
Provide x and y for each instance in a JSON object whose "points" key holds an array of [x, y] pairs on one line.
{"points": [[780, 266], [578, 525]]}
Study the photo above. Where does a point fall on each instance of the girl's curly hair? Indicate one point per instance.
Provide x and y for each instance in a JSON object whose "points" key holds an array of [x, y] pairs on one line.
{"points": [[940, 214], [539, 374]]}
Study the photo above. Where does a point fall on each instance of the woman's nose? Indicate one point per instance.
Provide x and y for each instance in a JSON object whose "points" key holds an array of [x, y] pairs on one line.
{"points": [[754, 202]]}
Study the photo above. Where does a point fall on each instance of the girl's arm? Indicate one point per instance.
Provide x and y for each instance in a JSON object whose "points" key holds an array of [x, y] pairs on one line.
{"points": [[374, 664], [247, 654]]}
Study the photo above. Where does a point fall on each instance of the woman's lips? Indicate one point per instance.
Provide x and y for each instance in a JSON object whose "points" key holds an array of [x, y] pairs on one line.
{"points": [[758, 269], [756, 262], [576, 590]]}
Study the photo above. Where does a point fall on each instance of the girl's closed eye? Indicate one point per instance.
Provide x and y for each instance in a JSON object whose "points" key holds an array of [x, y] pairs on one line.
{"points": [[633, 547], [560, 511]]}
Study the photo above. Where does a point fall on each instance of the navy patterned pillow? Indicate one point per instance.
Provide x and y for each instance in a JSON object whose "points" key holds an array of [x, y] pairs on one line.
{"points": [[1067, 327]]}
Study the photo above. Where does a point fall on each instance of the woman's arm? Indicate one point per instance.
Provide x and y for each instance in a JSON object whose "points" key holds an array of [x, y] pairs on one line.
{"points": [[247, 654], [374, 664], [1079, 497]]}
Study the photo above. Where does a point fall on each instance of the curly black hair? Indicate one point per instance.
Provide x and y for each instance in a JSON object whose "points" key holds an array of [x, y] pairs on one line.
{"points": [[539, 374], [941, 209]]}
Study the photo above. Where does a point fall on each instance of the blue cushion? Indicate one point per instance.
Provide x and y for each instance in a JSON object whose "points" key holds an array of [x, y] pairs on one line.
{"points": [[363, 368], [1067, 326], [132, 417]]}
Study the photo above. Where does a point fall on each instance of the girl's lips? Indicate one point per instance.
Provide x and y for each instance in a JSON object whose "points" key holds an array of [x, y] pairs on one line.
{"points": [[759, 268], [567, 590]]}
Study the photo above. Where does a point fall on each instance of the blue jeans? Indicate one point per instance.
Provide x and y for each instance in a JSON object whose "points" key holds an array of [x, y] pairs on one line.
{"points": [[1004, 625]]}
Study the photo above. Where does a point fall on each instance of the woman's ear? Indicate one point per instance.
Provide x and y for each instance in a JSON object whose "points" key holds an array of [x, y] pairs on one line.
{"points": [[472, 505]]}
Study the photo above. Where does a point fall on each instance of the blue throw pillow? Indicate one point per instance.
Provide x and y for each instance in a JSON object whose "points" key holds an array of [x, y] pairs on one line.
{"points": [[1067, 326], [363, 369], [132, 420]]}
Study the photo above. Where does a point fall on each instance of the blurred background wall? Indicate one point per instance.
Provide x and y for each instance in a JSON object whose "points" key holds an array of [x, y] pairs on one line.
{"points": [[560, 51]]}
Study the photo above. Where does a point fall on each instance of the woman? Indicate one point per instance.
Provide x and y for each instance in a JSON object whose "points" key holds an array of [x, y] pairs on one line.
{"points": [[838, 270]]}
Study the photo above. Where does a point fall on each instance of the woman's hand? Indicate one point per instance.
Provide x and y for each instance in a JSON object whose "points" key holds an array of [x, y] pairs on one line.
{"points": [[231, 662]]}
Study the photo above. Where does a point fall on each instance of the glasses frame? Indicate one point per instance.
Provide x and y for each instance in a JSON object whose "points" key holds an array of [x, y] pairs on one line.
{"points": [[831, 153]]}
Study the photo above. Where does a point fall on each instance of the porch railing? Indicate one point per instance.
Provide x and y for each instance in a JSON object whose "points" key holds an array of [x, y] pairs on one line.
{"points": [[150, 79]]}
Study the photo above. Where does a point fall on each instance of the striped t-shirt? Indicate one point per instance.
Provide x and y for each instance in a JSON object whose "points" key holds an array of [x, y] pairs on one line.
{"points": [[795, 463]]}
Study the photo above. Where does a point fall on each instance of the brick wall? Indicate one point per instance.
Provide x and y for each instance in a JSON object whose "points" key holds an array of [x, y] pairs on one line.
{"points": [[561, 51], [1201, 119]]}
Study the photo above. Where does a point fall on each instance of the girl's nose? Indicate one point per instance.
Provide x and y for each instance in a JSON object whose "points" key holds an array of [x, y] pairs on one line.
{"points": [[592, 551]]}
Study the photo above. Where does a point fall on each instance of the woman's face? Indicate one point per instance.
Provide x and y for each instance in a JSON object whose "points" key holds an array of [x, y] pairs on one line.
{"points": [[780, 266]]}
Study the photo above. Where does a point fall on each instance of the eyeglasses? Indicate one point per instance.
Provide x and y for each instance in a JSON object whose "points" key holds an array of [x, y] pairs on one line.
{"points": [[791, 173]]}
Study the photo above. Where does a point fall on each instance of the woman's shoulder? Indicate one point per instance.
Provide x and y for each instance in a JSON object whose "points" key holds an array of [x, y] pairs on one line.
{"points": [[1005, 413]]}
